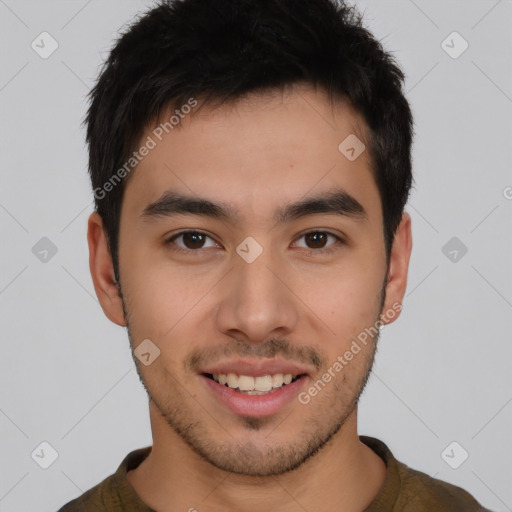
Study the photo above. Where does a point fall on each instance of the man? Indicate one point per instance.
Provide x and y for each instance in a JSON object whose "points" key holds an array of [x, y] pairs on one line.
{"points": [[250, 161]]}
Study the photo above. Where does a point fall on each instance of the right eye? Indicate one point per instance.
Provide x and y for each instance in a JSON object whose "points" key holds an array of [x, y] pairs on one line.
{"points": [[191, 241]]}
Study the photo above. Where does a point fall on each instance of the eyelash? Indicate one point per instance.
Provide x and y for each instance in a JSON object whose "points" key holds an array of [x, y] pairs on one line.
{"points": [[169, 241]]}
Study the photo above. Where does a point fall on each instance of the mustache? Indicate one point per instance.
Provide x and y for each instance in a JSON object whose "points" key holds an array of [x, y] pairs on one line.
{"points": [[267, 350]]}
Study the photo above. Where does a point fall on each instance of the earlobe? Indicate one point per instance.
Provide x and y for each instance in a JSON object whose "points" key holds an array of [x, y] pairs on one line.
{"points": [[398, 270], [102, 271]]}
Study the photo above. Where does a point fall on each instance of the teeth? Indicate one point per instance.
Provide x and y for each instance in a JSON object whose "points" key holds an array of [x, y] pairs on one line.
{"points": [[263, 383], [232, 380], [277, 380], [246, 383], [254, 385], [255, 392]]}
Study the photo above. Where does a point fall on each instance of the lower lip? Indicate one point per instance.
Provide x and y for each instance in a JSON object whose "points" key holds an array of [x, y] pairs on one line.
{"points": [[255, 406]]}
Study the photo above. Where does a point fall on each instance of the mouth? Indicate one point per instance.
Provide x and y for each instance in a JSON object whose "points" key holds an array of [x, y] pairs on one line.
{"points": [[262, 394], [254, 386]]}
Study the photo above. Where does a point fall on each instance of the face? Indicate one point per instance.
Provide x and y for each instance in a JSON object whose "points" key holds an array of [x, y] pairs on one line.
{"points": [[251, 255]]}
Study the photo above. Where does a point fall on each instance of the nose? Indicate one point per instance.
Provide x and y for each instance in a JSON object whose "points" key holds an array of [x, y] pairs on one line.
{"points": [[258, 300]]}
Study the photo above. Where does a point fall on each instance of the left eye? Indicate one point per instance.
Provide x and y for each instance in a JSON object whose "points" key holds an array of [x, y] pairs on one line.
{"points": [[319, 238]]}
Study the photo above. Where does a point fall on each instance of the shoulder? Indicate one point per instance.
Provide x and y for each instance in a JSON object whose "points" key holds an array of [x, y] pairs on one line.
{"points": [[421, 492], [408, 490], [114, 493], [93, 500]]}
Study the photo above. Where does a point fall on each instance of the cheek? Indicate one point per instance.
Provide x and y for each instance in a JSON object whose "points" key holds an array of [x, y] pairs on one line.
{"points": [[162, 299], [347, 300]]}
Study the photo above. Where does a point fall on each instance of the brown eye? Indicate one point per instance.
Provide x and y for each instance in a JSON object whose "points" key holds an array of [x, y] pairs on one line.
{"points": [[317, 241], [191, 241]]}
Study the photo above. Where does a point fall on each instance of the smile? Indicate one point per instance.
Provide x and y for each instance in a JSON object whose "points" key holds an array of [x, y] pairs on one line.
{"points": [[254, 396], [249, 385]]}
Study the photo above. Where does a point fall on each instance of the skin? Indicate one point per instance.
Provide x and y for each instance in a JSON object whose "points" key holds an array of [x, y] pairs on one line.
{"points": [[257, 154]]}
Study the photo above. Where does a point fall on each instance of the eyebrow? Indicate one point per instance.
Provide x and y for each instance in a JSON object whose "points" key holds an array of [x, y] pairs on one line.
{"points": [[335, 201]]}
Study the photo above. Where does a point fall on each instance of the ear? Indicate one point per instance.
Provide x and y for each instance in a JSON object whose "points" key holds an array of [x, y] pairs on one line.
{"points": [[398, 270], [102, 271]]}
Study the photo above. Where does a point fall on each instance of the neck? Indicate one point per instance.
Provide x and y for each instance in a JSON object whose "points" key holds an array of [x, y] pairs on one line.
{"points": [[344, 475]]}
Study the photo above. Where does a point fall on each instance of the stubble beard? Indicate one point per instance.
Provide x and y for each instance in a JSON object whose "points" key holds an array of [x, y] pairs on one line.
{"points": [[247, 457]]}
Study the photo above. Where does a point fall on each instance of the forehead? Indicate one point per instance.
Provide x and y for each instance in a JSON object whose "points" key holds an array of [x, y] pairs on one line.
{"points": [[256, 153]]}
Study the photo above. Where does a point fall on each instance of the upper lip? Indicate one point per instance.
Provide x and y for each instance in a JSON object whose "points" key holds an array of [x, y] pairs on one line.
{"points": [[256, 367]]}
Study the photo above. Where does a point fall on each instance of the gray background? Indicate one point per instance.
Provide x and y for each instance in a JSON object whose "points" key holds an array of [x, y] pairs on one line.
{"points": [[443, 369]]}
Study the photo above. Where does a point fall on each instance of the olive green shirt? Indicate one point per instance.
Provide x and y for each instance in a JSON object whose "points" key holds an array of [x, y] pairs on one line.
{"points": [[404, 489]]}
